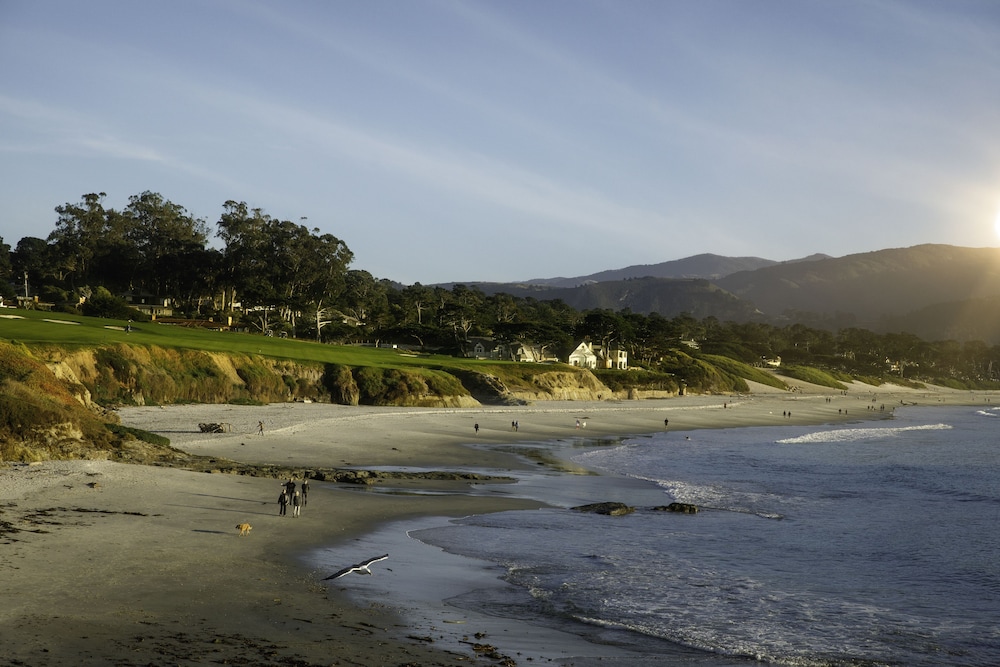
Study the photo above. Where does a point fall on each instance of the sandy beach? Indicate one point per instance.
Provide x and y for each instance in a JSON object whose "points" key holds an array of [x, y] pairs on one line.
{"points": [[108, 563]]}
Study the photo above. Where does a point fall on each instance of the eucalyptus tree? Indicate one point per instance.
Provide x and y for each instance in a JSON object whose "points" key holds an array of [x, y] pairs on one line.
{"points": [[364, 298], [29, 261], [6, 267], [320, 272], [278, 266], [244, 268], [601, 326], [414, 301], [463, 312], [79, 239], [164, 238]]}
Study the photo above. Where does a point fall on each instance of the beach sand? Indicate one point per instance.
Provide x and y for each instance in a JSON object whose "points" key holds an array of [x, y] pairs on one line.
{"points": [[108, 563]]}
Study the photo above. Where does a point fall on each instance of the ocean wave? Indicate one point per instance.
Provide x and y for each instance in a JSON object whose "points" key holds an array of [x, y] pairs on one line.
{"points": [[859, 434]]}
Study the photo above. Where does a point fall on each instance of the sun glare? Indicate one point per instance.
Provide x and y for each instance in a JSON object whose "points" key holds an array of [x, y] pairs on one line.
{"points": [[996, 224]]}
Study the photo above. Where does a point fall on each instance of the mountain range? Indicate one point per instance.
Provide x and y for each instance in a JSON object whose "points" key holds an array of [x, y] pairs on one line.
{"points": [[934, 291]]}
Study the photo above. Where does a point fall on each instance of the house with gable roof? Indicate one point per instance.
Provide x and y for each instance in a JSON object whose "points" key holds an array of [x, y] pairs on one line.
{"points": [[583, 356], [588, 355]]}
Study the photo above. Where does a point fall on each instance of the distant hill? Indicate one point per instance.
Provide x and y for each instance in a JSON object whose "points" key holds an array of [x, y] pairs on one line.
{"points": [[706, 266], [698, 298], [934, 291], [872, 285], [971, 319]]}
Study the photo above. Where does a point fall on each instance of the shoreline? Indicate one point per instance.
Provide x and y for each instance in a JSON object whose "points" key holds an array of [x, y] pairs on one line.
{"points": [[136, 564]]}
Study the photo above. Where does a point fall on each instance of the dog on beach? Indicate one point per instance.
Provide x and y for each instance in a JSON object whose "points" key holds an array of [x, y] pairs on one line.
{"points": [[244, 528]]}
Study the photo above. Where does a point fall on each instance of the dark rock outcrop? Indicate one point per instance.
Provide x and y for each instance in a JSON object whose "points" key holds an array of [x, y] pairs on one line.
{"points": [[684, 508], [608, 508]]}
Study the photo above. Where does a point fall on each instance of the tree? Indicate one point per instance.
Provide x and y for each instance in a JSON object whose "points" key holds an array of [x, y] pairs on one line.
{"points": [[415, 300], [6, 267], [80, 237], [29, 262], [280, 266], [165, 238], [601, 326], [463, 312]]}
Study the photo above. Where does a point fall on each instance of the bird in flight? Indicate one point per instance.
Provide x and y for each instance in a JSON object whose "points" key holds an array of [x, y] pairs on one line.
{"points": [[360, 568]]}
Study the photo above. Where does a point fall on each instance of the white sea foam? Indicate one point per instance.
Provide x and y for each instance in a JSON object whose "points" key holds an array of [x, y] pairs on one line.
{"points": [[859, 434]]}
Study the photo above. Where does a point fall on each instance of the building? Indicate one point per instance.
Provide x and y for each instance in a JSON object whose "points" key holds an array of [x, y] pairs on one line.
{"points": [[583, 356], [150, 304], [587, 355]]}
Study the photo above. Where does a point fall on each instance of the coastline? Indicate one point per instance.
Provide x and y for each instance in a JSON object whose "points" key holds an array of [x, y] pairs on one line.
{"points": [[133, 564]]}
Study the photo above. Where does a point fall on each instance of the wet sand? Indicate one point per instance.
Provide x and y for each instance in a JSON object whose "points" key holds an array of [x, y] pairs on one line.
{"points": [[109, 563]]}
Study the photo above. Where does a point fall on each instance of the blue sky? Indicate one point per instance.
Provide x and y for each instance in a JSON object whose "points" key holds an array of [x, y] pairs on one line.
{"points": [[504, 140]]}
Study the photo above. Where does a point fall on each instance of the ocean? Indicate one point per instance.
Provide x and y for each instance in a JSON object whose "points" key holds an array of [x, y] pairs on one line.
{"points": [[876, 543]]}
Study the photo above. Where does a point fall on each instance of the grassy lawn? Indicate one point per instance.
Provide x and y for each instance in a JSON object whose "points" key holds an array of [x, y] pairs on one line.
{"points": [[72, 331]]}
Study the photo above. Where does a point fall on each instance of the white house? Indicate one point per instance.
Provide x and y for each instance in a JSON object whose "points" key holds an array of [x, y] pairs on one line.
{"points": [[613, 357], [583, 356]]}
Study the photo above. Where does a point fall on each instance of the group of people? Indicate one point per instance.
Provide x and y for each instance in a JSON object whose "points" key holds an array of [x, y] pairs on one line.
{"points": [[291, 496]]}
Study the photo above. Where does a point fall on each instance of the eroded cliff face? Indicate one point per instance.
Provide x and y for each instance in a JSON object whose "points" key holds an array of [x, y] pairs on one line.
{"points": [[128, 375], [579, 385]]}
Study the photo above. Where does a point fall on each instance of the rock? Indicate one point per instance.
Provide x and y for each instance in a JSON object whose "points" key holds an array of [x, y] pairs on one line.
{"points": [[213, 428], [609, 508], [684, 508]]}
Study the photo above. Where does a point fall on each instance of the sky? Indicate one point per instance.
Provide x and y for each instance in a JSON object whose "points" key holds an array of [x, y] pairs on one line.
{"points": [[504, 140]]}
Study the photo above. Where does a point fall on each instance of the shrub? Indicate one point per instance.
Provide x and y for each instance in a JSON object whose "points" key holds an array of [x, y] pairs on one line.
{"points": [[104, 304], [139, 434]]}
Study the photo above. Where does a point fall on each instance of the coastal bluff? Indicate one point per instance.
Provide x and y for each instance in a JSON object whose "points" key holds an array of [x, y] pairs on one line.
{"points": [[59, 402], [141, 375]]}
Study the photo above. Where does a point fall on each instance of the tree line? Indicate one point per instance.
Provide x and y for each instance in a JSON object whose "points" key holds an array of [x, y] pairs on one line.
{"points": [[278, 276]]}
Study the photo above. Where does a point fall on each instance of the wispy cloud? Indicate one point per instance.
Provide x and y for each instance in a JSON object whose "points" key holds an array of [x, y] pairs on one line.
{"points": [[61, 131], [463, 175]]}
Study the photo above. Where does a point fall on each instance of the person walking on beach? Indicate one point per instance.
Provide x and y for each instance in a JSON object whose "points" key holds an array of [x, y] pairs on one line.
{"points": [[283, 504], [476, 426], [260, 428], [290, 487], [296, 504], [305, 491]]}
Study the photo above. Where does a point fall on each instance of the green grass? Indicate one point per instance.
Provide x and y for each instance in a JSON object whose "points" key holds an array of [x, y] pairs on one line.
{"points": [[34, 328], [745, 371], [813, 376], [439, 373]]}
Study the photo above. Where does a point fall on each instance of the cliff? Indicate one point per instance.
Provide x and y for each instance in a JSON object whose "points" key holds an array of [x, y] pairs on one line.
{"points": [[57, 402]]}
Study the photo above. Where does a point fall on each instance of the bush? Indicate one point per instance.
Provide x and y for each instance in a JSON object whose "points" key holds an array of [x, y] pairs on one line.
{"points": [[139, 434], [104, 304]]}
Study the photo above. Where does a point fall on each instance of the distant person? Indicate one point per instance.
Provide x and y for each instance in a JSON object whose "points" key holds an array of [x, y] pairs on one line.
{"points": [[290, 487], [305, 491], [296, 504], [260, 428], [476, 426], [283, 503], [666, 423]]}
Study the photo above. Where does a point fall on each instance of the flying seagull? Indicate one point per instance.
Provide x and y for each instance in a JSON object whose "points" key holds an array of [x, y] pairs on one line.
{"points": [[360, 568]]}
